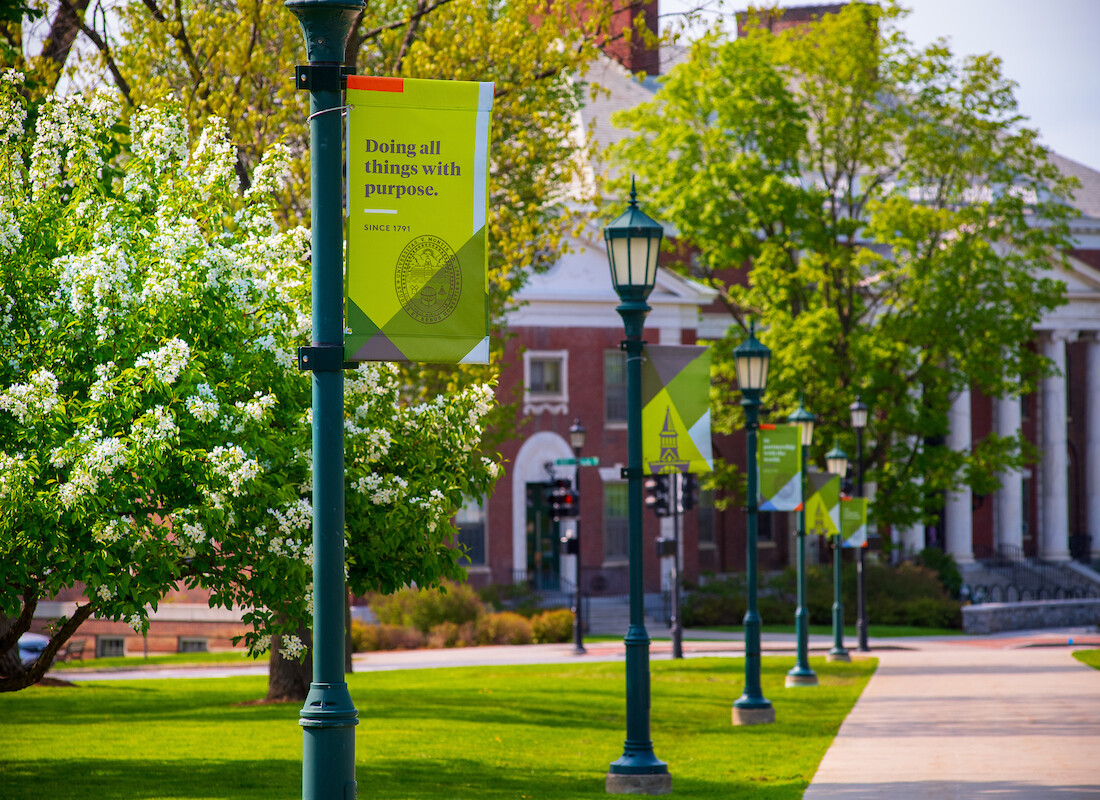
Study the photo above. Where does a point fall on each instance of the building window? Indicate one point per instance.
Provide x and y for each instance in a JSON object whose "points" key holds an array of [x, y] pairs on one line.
{"points": [[706, 520], [470, 521], [110, 646], [614, 386], [191, 644], [765, 526], [615, 521], [546, 381]]}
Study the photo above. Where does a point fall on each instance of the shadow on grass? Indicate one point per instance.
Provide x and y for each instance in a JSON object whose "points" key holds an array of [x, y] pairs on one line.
{"points": [[382, 779], [141, 779]]}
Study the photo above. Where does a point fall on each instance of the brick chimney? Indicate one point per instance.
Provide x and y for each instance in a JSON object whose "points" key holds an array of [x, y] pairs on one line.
{"points": [[775, 20], [635, 56]]}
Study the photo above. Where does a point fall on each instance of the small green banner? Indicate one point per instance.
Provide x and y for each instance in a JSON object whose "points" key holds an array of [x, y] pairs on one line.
{"points": [[416, 287], [676, 409], [823, 504], [853, 521], [779, 457]]}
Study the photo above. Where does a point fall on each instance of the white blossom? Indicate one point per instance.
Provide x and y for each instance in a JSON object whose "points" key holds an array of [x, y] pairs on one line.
{"points": [[167, 362], [232, 463], [204, 405], [291, 646], [35, 398]]}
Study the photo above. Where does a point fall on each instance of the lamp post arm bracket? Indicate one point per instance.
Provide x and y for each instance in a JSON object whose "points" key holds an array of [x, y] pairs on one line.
{"points": [[322, 77], [323, 358]]}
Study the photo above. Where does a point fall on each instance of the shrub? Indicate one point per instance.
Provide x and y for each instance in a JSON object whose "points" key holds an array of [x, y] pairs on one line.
{"points": [[369, 638], [905, 595], [452, 634], [423, 609], [506, 627], [553, 626], [518, 597], [719, 602], [943, 564]]}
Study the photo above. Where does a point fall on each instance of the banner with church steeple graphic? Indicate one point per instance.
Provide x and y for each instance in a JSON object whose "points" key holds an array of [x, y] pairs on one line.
{"points": [[676, 409], [823, 504]]}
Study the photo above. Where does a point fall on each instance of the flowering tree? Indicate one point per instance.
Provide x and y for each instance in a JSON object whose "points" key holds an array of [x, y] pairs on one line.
{"points": [[154, 428]]}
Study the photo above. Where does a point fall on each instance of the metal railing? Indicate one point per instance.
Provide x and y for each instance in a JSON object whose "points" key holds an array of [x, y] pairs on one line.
{"points": [[1020, 578]]}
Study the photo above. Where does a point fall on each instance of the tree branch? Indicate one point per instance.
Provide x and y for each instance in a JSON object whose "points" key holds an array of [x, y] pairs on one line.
{"points": [[45, 659], [105, 51]]}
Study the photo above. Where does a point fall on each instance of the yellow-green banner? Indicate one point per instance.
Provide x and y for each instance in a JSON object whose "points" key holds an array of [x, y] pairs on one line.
{"points": [[853, 521], [823, 504], [676, 409], [416, 287], [779, 460]]}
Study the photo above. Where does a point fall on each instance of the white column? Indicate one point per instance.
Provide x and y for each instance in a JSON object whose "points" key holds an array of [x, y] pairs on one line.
{"points": [[1054, 527], [1009, 508], [1092, 450], [958, 513]]}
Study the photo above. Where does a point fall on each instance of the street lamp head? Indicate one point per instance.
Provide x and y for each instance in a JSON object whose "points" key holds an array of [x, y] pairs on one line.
{"points": [[576, 435], [752, 359], [633, 241], [805, 422], [836, 461], [858, 413]]}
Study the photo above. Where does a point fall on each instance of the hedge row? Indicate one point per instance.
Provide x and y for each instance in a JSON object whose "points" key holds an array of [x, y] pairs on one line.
{"points": [[905, 595], [452, 616]]}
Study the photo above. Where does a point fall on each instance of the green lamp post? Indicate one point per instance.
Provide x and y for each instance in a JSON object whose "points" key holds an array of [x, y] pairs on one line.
{"points": [[802, 675], [837, 462], [328, 718], [858, 416], [633, 241], [751, 359]]}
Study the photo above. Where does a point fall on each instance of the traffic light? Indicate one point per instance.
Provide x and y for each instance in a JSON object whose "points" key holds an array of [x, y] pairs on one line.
{"points": [[657, 496], [564, 502], [690, 492]]}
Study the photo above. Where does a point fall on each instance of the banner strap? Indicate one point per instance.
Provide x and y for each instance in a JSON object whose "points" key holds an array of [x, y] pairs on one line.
{"points": [[326, 110]]}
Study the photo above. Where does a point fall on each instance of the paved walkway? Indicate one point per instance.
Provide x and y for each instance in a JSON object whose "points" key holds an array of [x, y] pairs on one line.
{"points": [[1008, 717]]}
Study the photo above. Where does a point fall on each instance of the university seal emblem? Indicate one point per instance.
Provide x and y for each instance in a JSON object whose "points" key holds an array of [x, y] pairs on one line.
{"points": [[429, 280]]}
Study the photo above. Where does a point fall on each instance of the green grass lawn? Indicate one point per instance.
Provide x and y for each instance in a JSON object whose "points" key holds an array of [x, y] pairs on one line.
{"points": [[1090, 657], [171, 659], [440, 734]]}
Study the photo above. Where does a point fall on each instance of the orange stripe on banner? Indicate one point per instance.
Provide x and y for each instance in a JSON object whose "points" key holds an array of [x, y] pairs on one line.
{"points": [[766, 426], [373, 84]]}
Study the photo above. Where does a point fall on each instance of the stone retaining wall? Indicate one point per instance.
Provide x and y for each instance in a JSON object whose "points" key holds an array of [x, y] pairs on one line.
{"points": [[997, 617]]}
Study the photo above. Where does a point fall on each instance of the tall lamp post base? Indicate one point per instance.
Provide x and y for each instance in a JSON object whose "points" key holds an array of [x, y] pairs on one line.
{"points": [[838, 656], [617, 783], [801, 679], [764, 715]]}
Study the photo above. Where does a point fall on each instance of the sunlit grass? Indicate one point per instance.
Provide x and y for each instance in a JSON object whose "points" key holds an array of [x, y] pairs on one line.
{"points": [[441, 734], [171, 659], [1090, 657]]}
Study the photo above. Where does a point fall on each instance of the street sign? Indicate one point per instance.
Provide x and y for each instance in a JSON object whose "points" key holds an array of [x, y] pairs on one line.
{"points": [[587, 461]]}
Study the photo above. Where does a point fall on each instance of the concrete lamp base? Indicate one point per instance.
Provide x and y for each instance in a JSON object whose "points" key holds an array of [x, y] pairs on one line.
{"points": [[639, 784], [801, 680], [753, 716], [838, 657]]}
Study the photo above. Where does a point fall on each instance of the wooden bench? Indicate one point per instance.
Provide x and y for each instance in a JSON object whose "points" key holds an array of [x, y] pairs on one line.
{"points": [[74, 649]]}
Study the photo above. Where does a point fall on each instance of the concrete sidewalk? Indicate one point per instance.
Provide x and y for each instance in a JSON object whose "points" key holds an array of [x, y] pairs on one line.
{"points": [[1012, 717]]}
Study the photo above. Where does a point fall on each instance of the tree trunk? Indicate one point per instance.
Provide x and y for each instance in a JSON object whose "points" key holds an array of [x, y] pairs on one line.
{"points": [[288, 679], [10, 664]]}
